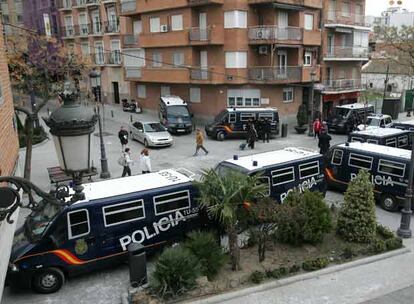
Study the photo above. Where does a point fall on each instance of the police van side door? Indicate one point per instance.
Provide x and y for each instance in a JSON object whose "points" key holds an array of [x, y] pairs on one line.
{"points": [[336, 167]]}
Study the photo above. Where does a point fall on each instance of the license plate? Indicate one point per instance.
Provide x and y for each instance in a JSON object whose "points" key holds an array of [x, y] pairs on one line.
{"points": [[180, 130]]}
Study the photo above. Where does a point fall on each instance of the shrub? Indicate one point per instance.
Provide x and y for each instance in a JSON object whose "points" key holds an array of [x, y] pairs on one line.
{"points": [[385, 232], [394, 243], [302, 115], [356, 219], [294, 268], [205, 248], [303, 217], [348, 253], [377, 246], [257, 277], [176, 271], [315, 264]]}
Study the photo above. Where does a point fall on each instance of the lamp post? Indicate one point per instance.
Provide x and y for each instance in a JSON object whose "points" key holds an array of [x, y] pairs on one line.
{"points": [[311, 105], [95, 77]]}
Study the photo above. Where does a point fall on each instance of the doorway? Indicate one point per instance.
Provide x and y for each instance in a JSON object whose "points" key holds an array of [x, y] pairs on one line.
{"points": [[115, 87]]}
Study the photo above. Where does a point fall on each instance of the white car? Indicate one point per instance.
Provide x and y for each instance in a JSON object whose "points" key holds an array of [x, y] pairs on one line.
{"points": [[376, 121], [151, 134]]}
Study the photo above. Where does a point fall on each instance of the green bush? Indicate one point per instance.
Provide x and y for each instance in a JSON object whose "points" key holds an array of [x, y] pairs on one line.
{"points": [[294, 268], [303, 218], [302, 115], [257, 277], [385, 232], [394, 243], [356, 219], [176, 271], [377, 246], [205, 248], [348, 253], [315, 264]]}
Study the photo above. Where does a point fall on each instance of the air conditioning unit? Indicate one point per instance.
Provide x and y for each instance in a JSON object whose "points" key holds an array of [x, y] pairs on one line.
{"points": [[263, 50], [164, 28], [260, 34]]}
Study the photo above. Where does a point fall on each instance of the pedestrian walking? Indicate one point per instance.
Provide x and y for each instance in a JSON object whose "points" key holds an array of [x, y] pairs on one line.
{"points": [[251, 135], [145, 161], [126, 162], [324, 142], [317, 126], [199, 142], [266, 130], [123, 137]]}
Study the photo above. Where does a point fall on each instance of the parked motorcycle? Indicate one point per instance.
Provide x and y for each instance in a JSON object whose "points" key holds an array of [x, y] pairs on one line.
{"points": [[131, 106]]}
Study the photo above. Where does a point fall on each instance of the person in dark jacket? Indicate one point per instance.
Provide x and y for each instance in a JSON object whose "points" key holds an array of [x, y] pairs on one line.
{"points": [[324, 142], [123, 137], [266, 130], [251, 135]]}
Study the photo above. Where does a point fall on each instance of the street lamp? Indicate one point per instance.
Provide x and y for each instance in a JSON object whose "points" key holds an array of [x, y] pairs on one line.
{"points": [[311, 105], [95, 77]]}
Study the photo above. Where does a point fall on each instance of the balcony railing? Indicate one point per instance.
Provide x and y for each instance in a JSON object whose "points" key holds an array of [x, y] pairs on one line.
{"points": [[131, 40], [291, 73], [199, 34], [68, 31], [354, 52], [80, 3], [342, 84], [204, 2], [102, 58], [273, 32], [133, 72], [199, 73], [95, 28], [111, 26], [83, 29], [92, 2], [65, 4], [340, 17], [128, 6]]}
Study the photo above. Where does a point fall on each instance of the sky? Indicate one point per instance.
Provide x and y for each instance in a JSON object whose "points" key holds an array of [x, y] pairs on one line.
{"points": [[375, 7]]}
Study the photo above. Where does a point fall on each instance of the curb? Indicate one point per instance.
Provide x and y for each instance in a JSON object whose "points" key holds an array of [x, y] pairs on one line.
{"points": [[36, 145], [303, 277]]}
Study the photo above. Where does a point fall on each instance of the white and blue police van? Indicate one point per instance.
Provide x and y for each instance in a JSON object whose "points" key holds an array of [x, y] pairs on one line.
{"points": [[404, 125], [282, 170], [382, 136], [388, 167], [57, 242]]}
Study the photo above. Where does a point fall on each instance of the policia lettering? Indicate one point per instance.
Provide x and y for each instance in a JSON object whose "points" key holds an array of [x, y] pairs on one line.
{"points": [[378, 180]]}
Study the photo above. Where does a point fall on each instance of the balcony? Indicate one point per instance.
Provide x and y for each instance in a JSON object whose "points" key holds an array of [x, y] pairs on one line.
{"points": [[92, 3], [96, 29], [342, 85], [285, 74], [111, 27], [179, 38], [207, 75], [307, 3], [128, 6], [312, 37], [204, 2], [108, 58], [335, 18], [133, 73], [203, 36], [130, 41], [145, 6], [307, 73], [175, 75], [351, 53], [265, 34], [68, 32], [83, 30], [65, 5], [79, 3]]}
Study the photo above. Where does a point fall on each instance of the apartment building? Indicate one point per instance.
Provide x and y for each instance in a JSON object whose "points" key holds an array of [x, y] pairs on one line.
{"points": [[91, 29], [39, 14], [12, 12], [216, 53], [345, 49]]}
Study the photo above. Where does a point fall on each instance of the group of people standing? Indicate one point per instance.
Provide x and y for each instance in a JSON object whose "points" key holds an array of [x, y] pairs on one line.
{"points": [[320, 130], [256, 130]]}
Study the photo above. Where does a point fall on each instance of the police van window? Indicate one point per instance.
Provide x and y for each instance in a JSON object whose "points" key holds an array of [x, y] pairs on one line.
{"points": [[232, 117], [266, 180], [123, 213], [403, 141], [171, 202], [248, 102], [391, 142], [283, 176], [337, 157], [372, 141], [357, 139], [78, 223], [308, 169], [360, 161], [266, 115], [391, 168], [247, 116]]}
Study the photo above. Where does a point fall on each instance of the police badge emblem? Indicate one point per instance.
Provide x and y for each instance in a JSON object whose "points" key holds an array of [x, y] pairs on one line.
{"points": [[81, 247]]}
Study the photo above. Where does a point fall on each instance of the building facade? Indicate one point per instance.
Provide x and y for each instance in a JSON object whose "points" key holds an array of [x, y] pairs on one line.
{"points": [[40, 13], [91, 29], [12, 12], [9, 151]]}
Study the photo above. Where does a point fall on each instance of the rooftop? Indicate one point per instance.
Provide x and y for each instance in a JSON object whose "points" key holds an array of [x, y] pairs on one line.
{"points": [[354, 106], [173, 100], [272, 158], [378, 149], [251, 109], [379, 132]]}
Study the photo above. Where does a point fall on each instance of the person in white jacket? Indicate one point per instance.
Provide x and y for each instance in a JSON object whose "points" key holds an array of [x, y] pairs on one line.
{"points": [[127, 162], [145, 161]]}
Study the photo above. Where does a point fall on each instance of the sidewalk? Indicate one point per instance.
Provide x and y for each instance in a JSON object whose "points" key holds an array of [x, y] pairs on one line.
{"points": [[352, 285]]}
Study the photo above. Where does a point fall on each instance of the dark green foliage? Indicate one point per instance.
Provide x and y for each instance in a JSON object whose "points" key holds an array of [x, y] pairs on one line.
{"points": [[303, 218], [385, 232], [356, 219], [394, 243], [257, 277], [302, 116], [377, 246], [294, 268], [176, 271], [315, 264], [348, 253], [207, 250], [39, 135]]}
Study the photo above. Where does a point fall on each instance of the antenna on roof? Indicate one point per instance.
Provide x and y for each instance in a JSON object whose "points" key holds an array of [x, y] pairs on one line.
{"points": [[255, 163], [235, 157]]}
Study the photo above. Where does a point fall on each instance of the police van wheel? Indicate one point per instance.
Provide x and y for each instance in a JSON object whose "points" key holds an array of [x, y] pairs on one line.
{"points": [[49, 280], [220, 136], [388, 202]]}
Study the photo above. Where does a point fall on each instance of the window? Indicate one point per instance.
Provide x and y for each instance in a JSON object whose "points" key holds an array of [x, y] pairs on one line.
{"points": [[232, 117], [287, 95], [236, 60], [337, 157], [256, 102], [308, 169], [346, 9], [359, 139], [155, 25], [372, 141], [403, 141], [178, 59], [307, 60], [309, 22], [391, 142], [123, 213], [195, 95], [177, 22], [141, 91], [85, 49], [266, 115], [360, 161], [248, 102], [235, 19], [78, 223], [239, 101], [247, 116], [265, 180], [19, 18], [231, 101], [283, 176], [156, 60], [6, 18], [391, 168], [171, 202]]}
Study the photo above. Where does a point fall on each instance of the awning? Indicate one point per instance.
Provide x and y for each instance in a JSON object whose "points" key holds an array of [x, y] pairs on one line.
{"points": [[340, 96], [288, 7]]}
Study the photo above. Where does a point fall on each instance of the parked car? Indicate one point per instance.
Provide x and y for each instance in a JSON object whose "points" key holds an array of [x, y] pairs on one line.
{"points": [[343, 118], [376, 121], [151, 133], [175, 115]]}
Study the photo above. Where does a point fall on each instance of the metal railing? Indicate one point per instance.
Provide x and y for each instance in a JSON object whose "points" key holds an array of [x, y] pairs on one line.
{"points": [[133, 72], [96, 28], [92, 2], [128, 6], [98, 58], [114, 57], [292, 73], [199, 34], [273, 32], [200, 73], [342, 84], [68, 31], [80, 2], [342, 17], [131, 39], [111, 26], [65, 4], [83, 29], [347, 52]]}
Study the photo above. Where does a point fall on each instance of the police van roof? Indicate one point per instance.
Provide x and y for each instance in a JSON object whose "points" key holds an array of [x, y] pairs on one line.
{"points": [[379, 132], [136, 183], [407, 122], [354, 106], [173, 100], [378, 149], [272, 158], [251, 109]]}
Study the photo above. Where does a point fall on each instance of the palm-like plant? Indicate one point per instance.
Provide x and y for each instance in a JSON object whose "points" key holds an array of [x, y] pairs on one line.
{"points": [[226, 198]]}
